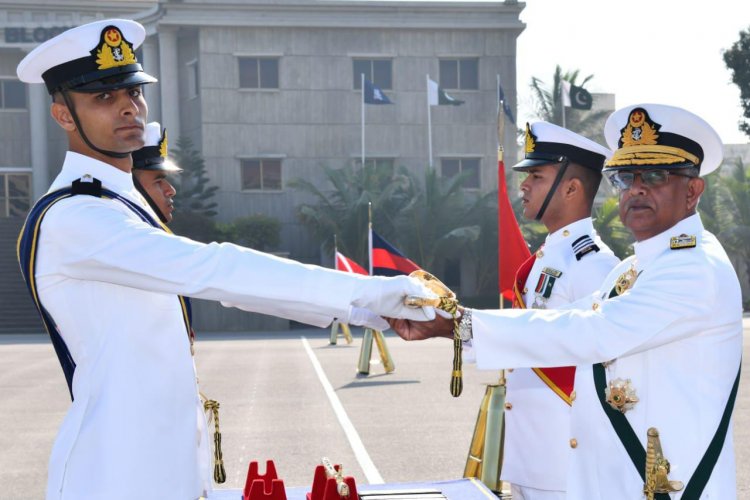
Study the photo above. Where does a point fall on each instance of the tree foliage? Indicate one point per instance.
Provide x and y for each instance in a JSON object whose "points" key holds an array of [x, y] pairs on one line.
{"points": [[193, 193], [737, 59], [340, 208], [429, 218]]}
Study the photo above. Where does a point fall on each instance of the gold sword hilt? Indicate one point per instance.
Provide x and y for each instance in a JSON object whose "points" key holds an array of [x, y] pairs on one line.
{"points": [[657, 468], [341, 487]]}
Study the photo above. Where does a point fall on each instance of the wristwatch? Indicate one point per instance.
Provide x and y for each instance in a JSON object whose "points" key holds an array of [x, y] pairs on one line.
{"points": [[464, 326]]}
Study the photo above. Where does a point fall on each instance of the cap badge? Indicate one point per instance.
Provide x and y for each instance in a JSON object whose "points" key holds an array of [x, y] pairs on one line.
{"points": [[113, 49], [163, 144], [640, 130], [530, 144], [620, 395]]}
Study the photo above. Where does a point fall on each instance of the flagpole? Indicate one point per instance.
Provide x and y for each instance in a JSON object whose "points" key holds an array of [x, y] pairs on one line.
{"points": [[369, 235], [500, 171], [362, 80], [562, 103], [429, 121]]}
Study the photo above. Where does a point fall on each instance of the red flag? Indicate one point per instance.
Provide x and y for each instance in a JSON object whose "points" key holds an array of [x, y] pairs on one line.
{"points": [[512, 250], [344, 263]]}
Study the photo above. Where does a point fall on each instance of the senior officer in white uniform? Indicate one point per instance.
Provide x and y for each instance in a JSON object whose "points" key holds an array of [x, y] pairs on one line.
{"points": [[659, 345], [93, 254], [563, 173]]}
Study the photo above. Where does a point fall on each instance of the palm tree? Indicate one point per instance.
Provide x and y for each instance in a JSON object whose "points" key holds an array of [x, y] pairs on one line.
{"points": [[549, 108], [732, 212], [342, 209], [438, 222], [610, 228]]}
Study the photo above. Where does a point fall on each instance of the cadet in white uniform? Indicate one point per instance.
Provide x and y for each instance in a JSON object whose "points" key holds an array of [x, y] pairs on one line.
{"points": [[563, 175], [658, 346], [106, 278], [151, 171]]}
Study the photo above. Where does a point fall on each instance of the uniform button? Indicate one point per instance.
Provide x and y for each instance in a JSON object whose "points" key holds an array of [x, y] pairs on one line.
{"points": [[525, 290], [510, 370], [573, 396], [566, 233], [508, 405], [573, 443], [595, 306], [539, 254]]}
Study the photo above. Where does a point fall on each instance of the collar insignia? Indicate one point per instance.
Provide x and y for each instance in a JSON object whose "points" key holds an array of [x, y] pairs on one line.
{"points": [[530, 143], [640, 130], [113, 50], [163, 144], [682, 241]]}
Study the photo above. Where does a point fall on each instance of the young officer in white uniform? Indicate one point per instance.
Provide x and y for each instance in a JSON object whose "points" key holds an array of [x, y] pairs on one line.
{"points": [[151, 171], [563, 175], [658, 346], [135, 427]]}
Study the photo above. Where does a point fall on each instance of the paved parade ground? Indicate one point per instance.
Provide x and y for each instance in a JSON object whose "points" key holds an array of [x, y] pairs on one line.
{"points": [[291, 397]]}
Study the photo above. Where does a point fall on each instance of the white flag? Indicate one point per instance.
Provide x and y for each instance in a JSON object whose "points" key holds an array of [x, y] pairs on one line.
{"points": [[565, 92], [432, 92]]}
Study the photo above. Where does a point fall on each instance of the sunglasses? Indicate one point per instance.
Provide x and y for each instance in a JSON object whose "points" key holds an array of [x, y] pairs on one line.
{"points": [[623, 179]]}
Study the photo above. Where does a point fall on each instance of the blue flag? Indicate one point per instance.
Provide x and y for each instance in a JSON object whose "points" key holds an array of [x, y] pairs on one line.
{"points": [[373, 94], [506, 106]]}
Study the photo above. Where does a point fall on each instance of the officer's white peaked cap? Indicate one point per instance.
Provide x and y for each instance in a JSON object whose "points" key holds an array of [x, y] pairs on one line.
{"points": [[661, 136], [153, 155], [89, 58], [548, 143]]}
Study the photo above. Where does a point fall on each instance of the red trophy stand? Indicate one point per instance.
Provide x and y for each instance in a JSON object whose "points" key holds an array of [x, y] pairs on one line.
{"points": [[263, 487], [325, 487]]}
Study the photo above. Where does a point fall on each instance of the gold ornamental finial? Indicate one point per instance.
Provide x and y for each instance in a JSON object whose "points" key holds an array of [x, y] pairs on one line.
{"points": [[657, 468]]}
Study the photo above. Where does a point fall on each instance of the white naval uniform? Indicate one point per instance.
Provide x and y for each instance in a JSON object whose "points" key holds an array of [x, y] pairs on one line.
{"points": [[110, 281], [537, 420], [677, 335]]}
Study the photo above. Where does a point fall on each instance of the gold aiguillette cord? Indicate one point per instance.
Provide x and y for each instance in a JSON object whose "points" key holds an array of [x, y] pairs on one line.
{"points": [[220, 475], [445, 301]]}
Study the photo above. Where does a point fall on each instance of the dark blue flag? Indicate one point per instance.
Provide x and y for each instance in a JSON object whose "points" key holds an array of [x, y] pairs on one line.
{"points": [[373, 94], [506, 106]]}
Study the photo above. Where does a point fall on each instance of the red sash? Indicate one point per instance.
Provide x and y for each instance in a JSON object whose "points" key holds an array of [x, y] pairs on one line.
{"points": [[559, 379]]}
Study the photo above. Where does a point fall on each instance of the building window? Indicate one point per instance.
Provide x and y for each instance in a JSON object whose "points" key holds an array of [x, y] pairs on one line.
{"points": [[259, 72], [469, 167], [376, 162], [12, 94], [261, 174], [460, 73], [378, 71], [15, 194], [193, 84]]}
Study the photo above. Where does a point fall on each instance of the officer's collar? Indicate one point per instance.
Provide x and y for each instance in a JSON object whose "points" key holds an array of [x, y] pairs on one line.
{"points": [[77, 165], [573, 230], [649, 249]]}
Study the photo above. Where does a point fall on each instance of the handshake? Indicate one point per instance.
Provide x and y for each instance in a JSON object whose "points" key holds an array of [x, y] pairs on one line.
{"points": [[407, 304]]}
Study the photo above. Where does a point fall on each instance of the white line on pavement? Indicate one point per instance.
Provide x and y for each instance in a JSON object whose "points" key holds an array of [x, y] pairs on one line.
{"points": [[365, 462]]}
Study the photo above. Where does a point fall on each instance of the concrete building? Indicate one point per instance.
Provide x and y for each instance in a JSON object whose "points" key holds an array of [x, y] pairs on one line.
{"points": [[269, 90]]}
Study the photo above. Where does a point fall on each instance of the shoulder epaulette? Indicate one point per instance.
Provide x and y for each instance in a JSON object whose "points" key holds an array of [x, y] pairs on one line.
{"points": [[682, 241], [87, 185], [583, 246]]}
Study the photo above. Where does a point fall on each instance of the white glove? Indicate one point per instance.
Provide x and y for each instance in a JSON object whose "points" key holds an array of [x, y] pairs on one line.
{"points": [[384, 296], [364, 317]]}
